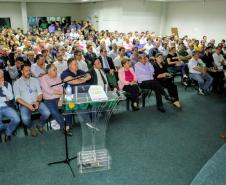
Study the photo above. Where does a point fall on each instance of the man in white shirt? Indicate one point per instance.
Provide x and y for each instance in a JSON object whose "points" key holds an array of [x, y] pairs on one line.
{"points": [[198, 72], [38, 68], [60, 64], [114, 52], [148, 45], [64, 54], [190, 49], [164, 49], [82, 65], [118, 59], [218, 59]]}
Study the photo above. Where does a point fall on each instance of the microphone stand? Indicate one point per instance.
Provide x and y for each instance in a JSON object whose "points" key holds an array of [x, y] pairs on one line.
{"points": [[67, 160]]}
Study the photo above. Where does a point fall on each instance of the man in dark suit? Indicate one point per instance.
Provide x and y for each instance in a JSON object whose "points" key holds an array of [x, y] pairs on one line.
{"points": [[98, 76], [89, 56], [108, 67], [106, 61]]}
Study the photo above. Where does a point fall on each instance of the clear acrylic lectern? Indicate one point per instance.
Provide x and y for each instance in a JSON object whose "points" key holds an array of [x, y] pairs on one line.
{"points": [[94, 106]]}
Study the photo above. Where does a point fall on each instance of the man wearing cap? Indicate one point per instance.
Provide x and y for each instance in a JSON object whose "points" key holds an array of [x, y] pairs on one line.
{"points": [[198, 72]]}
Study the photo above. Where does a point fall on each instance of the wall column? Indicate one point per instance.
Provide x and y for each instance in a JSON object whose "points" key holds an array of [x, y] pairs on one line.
{"points": [[24, 16], [163, 18]]}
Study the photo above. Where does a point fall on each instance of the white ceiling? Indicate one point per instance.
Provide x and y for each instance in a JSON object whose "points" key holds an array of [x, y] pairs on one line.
{"points": [[83, 1], [54, 1]]}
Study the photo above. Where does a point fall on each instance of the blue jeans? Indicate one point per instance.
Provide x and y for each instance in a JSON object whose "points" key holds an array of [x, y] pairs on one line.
{"points": [[53, 108], [26, 115], [14, 120], [204, 80]]}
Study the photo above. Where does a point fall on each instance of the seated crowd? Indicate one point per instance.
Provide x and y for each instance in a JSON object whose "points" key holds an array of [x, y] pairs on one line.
{"points": [[31, 63]]}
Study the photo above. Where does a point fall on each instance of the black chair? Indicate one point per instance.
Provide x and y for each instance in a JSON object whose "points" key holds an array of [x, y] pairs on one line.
{"points": [[144, 93]]}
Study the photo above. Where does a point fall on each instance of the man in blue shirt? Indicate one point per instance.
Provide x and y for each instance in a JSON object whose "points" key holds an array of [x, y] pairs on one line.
{"points": [[145, 77], [71, 73]]}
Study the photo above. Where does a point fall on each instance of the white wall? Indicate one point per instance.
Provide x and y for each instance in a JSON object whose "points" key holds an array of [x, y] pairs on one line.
{"points": [[53, 9], [12, 10], [197, 19], [124, 15]]}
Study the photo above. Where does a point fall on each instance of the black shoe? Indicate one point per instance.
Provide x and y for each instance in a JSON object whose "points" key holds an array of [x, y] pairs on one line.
{"points": [[135, 108], [161, 109], [7, 138]]}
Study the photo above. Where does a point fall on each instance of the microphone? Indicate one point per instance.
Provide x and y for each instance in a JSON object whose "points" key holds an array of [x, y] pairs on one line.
{"points": [[63, 82]]}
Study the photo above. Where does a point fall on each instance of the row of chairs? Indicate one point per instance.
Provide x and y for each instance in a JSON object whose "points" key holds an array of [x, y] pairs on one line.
{"points": [[144, 94]]}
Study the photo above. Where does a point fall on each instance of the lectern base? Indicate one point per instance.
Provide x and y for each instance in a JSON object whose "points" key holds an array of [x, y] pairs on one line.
{"points": [[94, 160]]}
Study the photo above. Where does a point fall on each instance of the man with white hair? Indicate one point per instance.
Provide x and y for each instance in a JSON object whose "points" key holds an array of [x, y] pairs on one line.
{"points": [[7, 108]]}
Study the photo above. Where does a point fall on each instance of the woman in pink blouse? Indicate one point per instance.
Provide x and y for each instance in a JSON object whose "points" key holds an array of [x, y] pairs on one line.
{"points": [[128, 82]]}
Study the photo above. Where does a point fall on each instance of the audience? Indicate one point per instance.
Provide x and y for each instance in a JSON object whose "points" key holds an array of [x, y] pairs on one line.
{"points": [[99, 57]]}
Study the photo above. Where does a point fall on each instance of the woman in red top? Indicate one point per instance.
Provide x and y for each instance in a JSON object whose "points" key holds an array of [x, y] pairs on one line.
{"points": [[128, 82]]}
